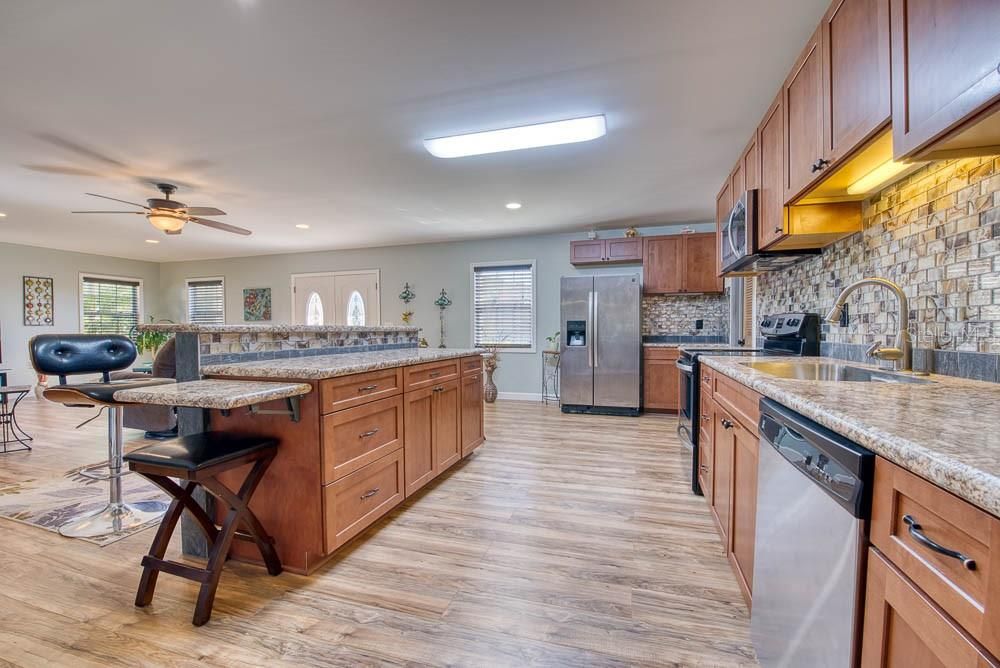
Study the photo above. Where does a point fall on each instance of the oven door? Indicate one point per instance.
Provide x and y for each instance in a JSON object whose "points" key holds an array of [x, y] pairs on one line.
{"points": [[687, 432]]}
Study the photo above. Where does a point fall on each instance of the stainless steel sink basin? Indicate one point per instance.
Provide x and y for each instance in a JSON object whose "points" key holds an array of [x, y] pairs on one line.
{"points": [[831, 371]]}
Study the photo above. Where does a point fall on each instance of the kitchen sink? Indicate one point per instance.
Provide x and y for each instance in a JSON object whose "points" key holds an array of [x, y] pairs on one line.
{"points": [[831, 371]]}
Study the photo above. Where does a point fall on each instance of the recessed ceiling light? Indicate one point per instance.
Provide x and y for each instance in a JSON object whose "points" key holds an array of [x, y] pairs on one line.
{"points": [[2, 214], [512, 139], [513, 205], [152, 241], [302, 226]]}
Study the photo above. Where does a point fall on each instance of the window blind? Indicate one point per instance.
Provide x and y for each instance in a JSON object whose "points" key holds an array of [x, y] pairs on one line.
{"points": [[109, 305], [503, 306], [206, 302]]}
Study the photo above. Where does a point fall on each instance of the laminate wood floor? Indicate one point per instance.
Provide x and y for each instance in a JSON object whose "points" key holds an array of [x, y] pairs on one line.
{"points": [[566, 541]]}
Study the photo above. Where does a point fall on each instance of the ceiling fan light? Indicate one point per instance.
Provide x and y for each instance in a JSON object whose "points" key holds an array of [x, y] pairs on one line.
{"points": [[165, 222]]}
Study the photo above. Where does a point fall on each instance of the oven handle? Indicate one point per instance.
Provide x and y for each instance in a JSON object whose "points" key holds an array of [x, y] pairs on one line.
{"points": [[685, 368], [684, 433]]}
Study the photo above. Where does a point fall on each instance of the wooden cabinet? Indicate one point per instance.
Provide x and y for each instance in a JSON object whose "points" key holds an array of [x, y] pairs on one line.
{"points": [[356, 437], [433, 432], [473, 434], [771, 195], [802, 103], [945, 78], [660, 379], [903, 627], [447, 425], [680, 264], [856, 81], [359, 388], [355, 501], [722, 471], [430, 374], [744, 513], [624, 250], [723, 205]]}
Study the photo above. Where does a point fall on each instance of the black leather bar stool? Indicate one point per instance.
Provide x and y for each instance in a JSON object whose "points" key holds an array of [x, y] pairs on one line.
{"points": [[196, 461], [65, 355]]}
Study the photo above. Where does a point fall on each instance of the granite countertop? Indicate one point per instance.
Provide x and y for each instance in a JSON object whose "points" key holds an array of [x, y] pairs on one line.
{"points": [[222, 394], [187, 327], [330, 366], [947, 431]]}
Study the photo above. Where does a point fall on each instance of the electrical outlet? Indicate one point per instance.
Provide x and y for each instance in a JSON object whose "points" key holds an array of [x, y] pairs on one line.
{"points": [[699, 324], [845, 316]]}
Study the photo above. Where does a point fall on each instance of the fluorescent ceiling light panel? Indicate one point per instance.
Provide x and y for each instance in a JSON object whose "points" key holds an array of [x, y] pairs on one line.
{"points": [[514, 139]]}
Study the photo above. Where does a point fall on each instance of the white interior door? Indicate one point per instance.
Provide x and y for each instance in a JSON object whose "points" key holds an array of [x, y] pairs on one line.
{"points": [[336, 298]]}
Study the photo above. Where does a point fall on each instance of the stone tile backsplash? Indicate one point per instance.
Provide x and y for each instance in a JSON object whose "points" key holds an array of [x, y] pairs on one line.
{"points": [[676, 315], [229, 347], [937, 234]]}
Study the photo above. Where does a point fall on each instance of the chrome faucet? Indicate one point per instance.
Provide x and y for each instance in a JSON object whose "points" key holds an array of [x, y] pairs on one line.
{"points": [[902, 352]]}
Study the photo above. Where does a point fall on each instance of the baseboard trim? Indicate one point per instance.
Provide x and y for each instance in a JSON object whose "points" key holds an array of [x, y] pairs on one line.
{"points": [[520, 396]]}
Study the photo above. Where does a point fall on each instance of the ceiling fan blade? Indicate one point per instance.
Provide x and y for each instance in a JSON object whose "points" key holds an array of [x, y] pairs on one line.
{"points": [[138, 212], [115, 199], [80, 149], [220, 226], [69, 171], [203, 211]]}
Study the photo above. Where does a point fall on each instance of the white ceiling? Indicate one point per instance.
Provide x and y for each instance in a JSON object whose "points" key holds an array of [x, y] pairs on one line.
{"points": [[293, 111]]}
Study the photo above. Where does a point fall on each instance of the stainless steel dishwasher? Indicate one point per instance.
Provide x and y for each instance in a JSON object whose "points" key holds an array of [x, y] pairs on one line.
{"points": [[813, 506]]}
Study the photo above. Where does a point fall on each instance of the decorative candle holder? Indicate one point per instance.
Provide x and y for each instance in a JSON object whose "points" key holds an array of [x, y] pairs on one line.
{"points": [[442, 302]]}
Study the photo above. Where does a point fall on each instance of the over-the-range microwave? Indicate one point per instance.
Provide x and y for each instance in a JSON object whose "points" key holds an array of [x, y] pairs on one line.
{"points": [[741, 255]]}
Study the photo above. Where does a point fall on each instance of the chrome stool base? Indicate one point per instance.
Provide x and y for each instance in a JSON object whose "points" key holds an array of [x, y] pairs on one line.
{"points": [[114, 518]]}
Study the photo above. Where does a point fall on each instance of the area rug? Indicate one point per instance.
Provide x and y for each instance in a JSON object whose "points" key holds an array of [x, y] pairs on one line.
{"points": [[49, 503]]}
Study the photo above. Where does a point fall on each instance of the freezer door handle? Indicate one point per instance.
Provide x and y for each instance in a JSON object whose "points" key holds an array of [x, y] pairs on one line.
{"points": [[594, 337], [590, 329]]}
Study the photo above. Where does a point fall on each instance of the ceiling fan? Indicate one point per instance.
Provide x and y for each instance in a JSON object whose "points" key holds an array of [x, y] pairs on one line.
{"points": [[170, 216]]}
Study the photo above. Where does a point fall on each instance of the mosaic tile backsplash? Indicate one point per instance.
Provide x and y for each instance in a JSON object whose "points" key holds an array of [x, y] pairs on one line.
{"points": [[676, 315], [229, 347], [937, 234]]}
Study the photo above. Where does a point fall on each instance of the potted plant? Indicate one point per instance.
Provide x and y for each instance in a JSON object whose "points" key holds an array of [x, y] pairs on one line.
{"points": [[553, 341], [147, 341]]}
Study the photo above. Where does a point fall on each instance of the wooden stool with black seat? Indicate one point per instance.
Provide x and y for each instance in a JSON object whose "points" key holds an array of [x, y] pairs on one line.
{"points": [[197, 461]]}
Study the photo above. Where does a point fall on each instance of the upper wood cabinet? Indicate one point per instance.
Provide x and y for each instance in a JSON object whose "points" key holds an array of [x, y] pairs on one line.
{"points": [[680, 264], [771, 192], [945, 78], [856, 81], [750, 161], [624, 250], [802, 101], [723, 205]]}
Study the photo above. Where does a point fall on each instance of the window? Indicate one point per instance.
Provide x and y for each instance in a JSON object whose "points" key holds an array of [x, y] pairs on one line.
{"points": [[503, 305], [109, 304], [356, 310], [314, 310], [206, 301]]}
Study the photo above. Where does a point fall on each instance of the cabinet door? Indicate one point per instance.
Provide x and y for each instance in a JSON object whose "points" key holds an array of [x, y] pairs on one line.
{"points": [[447, 425], [771, 201], [803, 111], [662, 266], [418, 439], [751, 165], [660, 383], [722, 470], [856, 83], [737, 180], [589, 251], [945, 57], [902, 627], [700, 264], [723, 205], [706, 449], [744, 511], [473, 433], [623, 250]]}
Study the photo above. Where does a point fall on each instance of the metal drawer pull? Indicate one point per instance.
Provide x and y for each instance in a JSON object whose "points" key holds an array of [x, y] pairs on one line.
{"points": [[705, 418], [367, 388], [918, 535], [703, 468], [439, 388], [370, 493], [368, 433], [434, 374], [727, 423]]}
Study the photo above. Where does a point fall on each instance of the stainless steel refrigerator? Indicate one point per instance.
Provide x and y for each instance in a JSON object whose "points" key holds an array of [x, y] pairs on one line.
{"points": [[599, 365]]}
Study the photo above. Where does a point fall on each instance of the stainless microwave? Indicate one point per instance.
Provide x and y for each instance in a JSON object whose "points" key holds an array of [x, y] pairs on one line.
{"points": [[738, 242]]}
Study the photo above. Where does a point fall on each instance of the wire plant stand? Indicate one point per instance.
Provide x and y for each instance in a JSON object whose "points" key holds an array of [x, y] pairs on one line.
{"points": [[550, 376]]}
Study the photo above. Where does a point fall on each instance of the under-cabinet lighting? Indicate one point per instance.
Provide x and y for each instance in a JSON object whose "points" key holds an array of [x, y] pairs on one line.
{"points": [[878, 176], [512, 139]]}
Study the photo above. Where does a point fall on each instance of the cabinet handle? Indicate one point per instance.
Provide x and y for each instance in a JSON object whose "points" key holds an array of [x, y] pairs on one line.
{"points": [[703, 468], [439, 388], [918, 535], [434, 374], [704, 418], [819, 164], [370, 493], [727, 424], [367, 388], [366, 434], [779, 230]]}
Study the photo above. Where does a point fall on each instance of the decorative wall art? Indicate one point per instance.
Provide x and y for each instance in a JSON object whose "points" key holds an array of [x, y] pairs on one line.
{"points": [[407, 295], [39, 310], [256, 304]]}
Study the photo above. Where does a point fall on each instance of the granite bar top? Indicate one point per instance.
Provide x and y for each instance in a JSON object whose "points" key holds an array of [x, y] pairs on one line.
{"points": [[330, 366], [947, 431], [187, 327], [221, 394]]}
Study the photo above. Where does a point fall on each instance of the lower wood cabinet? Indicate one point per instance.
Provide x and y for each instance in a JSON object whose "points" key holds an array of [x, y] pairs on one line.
{"points": [[722, 471], [660, 379], [433, 440], [447, 424], [903, 627], [473, 434], [355, 501], [744, 507], [358, 436]]}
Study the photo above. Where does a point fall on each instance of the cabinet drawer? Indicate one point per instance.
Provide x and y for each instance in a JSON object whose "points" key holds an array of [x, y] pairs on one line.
{"points": [[970, 595], [472, 365], [355, 501], [738, 399], [346, 391], [660, 353], [707, 378], [430, 373], [357, 436]]}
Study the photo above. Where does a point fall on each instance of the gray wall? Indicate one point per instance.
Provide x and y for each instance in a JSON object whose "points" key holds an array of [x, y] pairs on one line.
{"points": [[64, 268], [428, 268]]}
